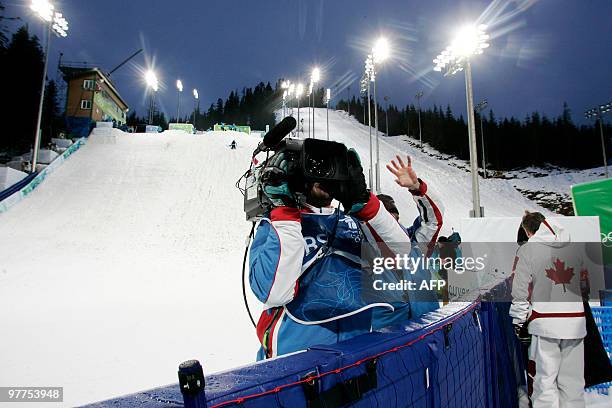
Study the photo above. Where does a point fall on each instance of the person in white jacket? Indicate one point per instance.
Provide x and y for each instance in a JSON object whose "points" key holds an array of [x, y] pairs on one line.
{"points": [[546, 295]]}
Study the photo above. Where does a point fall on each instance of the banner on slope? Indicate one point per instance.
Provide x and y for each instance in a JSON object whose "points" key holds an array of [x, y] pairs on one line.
{"points": [[595, 199]]}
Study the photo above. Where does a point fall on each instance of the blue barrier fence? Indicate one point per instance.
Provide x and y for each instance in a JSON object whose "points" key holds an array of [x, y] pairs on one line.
{"points": [[9, 191], [23, 188], [603, 319], [464, 355]]}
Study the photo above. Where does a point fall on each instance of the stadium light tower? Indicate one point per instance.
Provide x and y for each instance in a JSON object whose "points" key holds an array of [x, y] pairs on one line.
{"points": [[314, 78], [309, 95], [479, 108], [290, 91], [368, 79], [196, 103], [380, 52], [418, 97], [152, 84], [327, 99], [179, 88], [285, 86], [386, 99], [299, 90], [598, 113], [56, 24], [470, 41]]}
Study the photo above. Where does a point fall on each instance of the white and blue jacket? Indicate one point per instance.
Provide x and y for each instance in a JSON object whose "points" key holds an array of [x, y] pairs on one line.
{"points": [[309, 282]]}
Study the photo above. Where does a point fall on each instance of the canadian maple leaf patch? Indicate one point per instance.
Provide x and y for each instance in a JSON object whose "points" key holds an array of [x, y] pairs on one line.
{"points": [[559, 274]]}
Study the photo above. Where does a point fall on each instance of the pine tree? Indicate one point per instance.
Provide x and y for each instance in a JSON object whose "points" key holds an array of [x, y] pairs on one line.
{"points": [[51, 116], [21, 78], [3, 30]]}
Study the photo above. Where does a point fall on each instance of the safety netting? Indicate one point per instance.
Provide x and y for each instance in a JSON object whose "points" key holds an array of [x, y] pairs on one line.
{"points": [[462, 355]]}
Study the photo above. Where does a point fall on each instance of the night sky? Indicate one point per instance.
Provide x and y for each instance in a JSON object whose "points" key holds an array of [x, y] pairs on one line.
{"points": [[543, 52]]}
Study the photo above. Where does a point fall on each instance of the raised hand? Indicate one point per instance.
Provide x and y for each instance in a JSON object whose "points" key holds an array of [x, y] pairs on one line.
{"points": [[404, 174]]}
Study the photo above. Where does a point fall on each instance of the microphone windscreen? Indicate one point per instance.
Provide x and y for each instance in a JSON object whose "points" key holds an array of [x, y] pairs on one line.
{"points": [[278, 132]]}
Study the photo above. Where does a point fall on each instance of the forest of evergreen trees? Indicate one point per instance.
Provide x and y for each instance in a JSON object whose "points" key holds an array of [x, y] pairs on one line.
{"points": [[21, 67], [509, 143], [251, 106]]}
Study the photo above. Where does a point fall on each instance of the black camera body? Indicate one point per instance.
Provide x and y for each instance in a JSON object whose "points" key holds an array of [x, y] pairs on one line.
{"points": [[308, 161]]}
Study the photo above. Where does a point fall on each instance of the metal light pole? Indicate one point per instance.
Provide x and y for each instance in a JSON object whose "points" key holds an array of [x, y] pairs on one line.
{"points": [[327, 99], [179, 89], [285, 85], [299, 123], [299, 89], [196, 101], [472, 133], [380, 52], [598, 113], [152, 107], [369, 71], [479, 108], [470, 41], [315, 77], [418, 97], [153, 85], [290, 91], [386, 98], [364, 110], [348, 100], [57, 24], [309, 106], [377, 137]]}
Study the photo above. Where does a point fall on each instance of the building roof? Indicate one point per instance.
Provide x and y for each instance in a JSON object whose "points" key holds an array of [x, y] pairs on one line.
{"points": [[71, 73]]}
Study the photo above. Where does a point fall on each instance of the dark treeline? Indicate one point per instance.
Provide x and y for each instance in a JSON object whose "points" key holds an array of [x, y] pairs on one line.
{"points": [[21, 67], [251, 106], [509, 143]]}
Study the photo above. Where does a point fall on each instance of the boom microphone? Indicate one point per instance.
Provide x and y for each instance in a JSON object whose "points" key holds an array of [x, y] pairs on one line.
{"points": [[276, 134]]}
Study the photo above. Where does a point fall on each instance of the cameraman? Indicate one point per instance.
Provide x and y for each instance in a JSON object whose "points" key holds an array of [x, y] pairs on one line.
{"points": [[305, 264]]}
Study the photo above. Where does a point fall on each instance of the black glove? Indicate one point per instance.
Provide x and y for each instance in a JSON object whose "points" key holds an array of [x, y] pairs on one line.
{"points": [[354, 193], [522, 334], [274, 182]]}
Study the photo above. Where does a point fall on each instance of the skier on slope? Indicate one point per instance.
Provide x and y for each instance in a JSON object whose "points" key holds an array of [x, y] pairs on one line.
{"points": [[305, 264], [553, 311], [233, 145]]}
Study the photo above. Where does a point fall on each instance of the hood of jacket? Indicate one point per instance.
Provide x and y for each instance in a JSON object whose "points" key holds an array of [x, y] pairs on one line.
{"points": [[551, 234]]}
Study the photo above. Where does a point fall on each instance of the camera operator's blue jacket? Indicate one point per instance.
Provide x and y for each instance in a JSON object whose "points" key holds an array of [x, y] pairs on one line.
{"points": [[306, 267]]}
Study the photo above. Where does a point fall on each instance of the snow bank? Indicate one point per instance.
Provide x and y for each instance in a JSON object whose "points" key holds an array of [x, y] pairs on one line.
{"points": [[10, 176], [125, 261], [45, 156]]}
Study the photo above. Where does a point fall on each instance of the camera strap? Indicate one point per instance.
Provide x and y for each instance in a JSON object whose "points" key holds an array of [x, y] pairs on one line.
{"points": [[325, 249], [246, 252]]}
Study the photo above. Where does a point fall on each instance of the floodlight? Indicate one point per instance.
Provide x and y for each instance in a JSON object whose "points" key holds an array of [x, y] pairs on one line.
{"points": [[381, 50]]}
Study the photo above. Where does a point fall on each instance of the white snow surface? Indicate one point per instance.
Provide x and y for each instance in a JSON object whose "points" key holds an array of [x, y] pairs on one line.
{"points": [[556, 181], [126, 260], [10, 176]]}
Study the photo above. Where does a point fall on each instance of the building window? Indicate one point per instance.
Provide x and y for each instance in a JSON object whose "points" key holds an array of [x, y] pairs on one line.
{"points": [[88, 84], [85, 104]]}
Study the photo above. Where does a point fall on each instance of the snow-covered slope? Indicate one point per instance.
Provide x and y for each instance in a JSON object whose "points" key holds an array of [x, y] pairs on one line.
{"points": [[126, 260]]}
